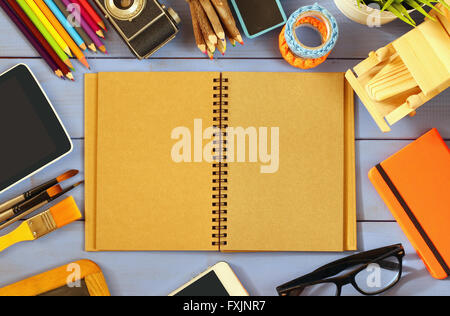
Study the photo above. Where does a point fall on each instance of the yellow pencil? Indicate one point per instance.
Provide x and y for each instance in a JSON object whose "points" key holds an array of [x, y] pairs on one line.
{"points": [[62, 32], [41, 16]]}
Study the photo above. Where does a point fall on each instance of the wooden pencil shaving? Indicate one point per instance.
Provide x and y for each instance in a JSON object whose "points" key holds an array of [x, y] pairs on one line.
{"points": [[213, 23]]}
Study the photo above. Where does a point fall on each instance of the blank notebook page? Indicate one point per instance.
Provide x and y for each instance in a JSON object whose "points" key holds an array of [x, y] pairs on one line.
{"points": [[146, 201], [301, 206]]}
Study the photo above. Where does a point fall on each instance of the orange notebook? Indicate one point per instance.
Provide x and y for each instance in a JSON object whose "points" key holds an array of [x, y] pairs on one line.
{"points": [[415, 185], [287, 183]]}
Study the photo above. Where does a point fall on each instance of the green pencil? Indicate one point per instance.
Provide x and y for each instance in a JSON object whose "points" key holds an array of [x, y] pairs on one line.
{"points": [[61, 54]]}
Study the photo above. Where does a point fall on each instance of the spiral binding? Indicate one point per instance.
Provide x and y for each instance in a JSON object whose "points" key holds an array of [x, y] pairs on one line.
{"points": [[220, 167]]}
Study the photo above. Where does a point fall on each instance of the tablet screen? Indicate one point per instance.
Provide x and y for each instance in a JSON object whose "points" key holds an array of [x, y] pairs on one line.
{"points": [[259, 15], [31, 135]]}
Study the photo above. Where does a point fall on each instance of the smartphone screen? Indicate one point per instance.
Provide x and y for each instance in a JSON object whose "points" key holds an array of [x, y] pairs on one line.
{"points": [[208, 285], [259, 15]]}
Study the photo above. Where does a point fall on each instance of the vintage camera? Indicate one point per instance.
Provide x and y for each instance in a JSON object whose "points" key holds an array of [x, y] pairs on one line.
{"points": [[145, 25]]}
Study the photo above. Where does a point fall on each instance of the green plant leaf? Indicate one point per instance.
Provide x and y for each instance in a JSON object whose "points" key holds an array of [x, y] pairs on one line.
{"points": [[419, 8], [387, 4], [398, 14]]}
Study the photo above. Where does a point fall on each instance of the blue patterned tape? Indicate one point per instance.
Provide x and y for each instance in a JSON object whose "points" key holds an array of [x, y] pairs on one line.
{"points": [[311, 52]]}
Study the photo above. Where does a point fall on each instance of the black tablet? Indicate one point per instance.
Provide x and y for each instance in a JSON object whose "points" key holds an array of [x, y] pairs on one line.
{"points": [[31, 133]]}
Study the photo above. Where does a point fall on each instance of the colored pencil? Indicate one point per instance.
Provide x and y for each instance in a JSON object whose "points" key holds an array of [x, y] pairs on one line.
{"points": [[91, 11], [66, 24], [38, 35], [52, 64], [62, 32], [87, 40], [88, 30], [41, 16], [88, 19], [42, 30]]}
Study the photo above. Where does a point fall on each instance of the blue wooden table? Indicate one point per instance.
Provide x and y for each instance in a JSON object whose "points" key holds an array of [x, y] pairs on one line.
{"points": [[158, 273]]}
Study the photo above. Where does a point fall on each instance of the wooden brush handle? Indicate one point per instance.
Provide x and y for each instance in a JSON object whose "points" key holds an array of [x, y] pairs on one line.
{"points": [[21, 233]]}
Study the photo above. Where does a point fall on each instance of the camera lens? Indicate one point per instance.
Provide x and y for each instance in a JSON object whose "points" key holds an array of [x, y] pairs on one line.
{"points": [[123, 4], [125, 10]]}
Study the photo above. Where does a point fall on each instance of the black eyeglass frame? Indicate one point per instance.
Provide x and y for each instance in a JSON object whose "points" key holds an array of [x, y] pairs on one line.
{"points": [[325, 273]]}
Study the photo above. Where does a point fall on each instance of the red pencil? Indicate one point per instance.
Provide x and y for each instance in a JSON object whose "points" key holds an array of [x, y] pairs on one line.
{"points": [[91, 11], [87, 18], [32, 28], [31, 39]]}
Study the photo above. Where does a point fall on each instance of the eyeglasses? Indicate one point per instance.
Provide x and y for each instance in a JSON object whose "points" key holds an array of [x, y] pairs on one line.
{"points": [[371, 273]]}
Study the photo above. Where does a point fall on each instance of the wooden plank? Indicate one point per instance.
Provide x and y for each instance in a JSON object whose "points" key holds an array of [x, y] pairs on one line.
{"points": [[370, 207], [365, 40], [158, 273], [68, 96]]}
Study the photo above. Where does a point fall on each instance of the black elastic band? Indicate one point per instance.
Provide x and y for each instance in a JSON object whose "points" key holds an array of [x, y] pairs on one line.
{"points": [[413, 219]]}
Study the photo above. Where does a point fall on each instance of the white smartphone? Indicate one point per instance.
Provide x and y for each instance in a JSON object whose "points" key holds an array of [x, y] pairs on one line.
{"points": [[219, 280]]}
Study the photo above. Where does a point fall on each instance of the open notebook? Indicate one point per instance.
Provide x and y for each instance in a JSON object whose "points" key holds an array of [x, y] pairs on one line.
{"points": [[159, 173]]}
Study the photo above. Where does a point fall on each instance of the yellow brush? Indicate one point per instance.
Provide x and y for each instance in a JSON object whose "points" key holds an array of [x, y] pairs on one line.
{"points": [[40, 225]]}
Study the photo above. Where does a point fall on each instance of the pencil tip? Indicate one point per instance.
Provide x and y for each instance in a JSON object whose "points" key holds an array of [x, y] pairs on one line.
{"points": [[85, 63], [70, 76]]}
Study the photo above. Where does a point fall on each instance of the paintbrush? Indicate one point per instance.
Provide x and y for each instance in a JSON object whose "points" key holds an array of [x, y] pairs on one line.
{"points": [[40, 225], [37, 190], [20, 211]]}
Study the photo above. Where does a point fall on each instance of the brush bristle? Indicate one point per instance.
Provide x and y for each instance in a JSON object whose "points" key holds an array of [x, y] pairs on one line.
{"points": [[67, 175], [54, 190], [65, 212]]}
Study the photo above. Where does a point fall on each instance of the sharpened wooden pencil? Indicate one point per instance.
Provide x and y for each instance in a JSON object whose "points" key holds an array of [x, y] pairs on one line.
{"points": [[87, 40], [213, 19], [87, 18], [62, 32], [42, 30], [226, 16], [205, 25], [29, 35], [201, 44], [91, 11], [66, 24], [93, 36], [38, 35], [41, 16]]}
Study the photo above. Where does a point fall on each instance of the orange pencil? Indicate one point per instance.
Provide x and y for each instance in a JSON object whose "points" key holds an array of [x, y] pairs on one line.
{"points": [[90, 10], [62, 31]]}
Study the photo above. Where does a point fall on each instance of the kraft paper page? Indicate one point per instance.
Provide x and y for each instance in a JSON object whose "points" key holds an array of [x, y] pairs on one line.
{"points": [[300, 206], [145, 200]]}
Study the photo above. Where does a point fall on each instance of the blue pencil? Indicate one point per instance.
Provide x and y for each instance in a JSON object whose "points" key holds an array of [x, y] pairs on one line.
{"points": [[69, 28]]}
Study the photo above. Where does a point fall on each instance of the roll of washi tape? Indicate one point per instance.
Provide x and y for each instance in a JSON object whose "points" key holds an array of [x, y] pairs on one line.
{"points": [[294, 51]]}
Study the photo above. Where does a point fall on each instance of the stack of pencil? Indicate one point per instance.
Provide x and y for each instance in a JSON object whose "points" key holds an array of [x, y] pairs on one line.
{"points": [[213, 22], [48, 27]]}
